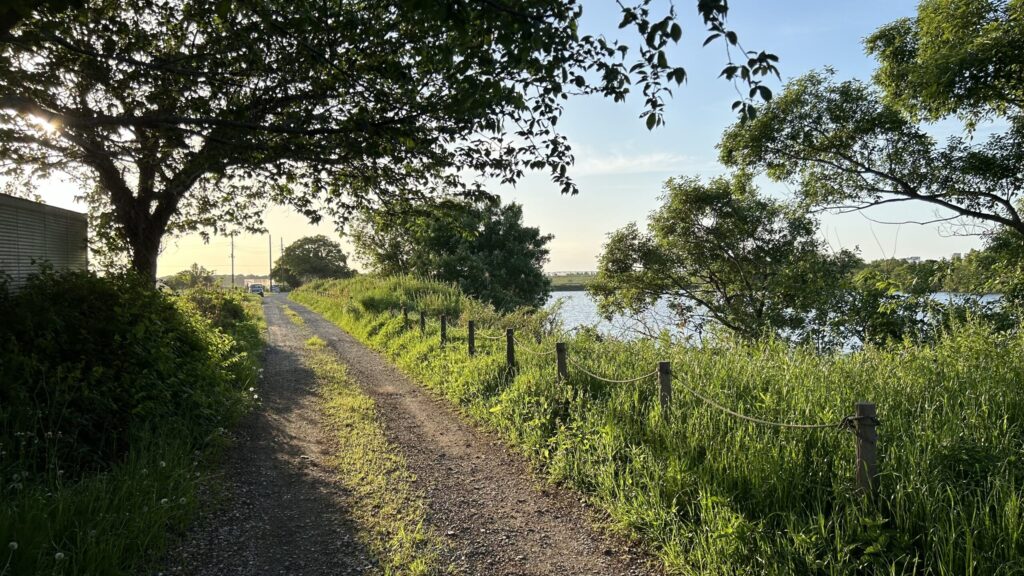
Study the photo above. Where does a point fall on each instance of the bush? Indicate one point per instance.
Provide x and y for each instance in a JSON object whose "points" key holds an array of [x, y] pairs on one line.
{"points": [[87, 362], [113, 396]]}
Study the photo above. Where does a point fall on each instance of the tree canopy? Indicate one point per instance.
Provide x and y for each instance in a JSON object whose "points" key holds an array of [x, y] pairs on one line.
{"points": [[724, 256], [311, 258], [195, 276], [850, 145], [185, 115], [480, 245]]}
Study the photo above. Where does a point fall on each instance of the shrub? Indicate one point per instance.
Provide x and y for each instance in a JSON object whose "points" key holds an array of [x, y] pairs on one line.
{"points": [[113, 397], [87, 362]]}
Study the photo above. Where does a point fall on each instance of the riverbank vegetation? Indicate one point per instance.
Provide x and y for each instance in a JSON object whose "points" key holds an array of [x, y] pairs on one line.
{"points": [[711, 494], [114, 397], [481, 245]]}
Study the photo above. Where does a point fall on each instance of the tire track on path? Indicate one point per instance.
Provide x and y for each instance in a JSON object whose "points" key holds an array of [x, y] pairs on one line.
{"points": [[285, 512], [498, 518]]}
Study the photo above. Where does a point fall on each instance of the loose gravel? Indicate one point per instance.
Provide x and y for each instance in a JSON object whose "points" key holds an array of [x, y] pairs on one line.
{"points": [[283, 511], [498, 517]]}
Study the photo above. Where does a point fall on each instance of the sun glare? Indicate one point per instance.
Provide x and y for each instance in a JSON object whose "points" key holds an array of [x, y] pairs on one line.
{"points": [[43, 124]]}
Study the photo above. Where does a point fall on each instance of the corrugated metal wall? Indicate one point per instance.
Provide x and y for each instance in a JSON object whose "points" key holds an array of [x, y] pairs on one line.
{"points": [[33, 233]]}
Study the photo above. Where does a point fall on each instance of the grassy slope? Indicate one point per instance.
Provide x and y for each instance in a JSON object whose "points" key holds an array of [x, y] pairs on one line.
{"points": [[117, 521], [711, 495]]}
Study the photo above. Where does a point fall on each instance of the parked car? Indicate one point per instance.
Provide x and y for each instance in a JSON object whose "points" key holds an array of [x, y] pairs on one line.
{"points": [[275, 289], [256, 289]]}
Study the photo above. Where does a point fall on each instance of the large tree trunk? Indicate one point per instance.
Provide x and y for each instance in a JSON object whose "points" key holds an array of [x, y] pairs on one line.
{"points": [[144, 260], [144, 242]]}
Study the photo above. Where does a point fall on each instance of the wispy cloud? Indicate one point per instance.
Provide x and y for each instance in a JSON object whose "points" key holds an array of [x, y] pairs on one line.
{"points": [[591, 164]]}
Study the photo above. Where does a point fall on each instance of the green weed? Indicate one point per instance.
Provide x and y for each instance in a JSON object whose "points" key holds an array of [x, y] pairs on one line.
{"points": [[711, 494], [385, 505], [114, 397]]}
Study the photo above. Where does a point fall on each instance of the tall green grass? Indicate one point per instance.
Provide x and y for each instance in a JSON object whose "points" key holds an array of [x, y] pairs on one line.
{"points": [[711, 494], [114, 399]]}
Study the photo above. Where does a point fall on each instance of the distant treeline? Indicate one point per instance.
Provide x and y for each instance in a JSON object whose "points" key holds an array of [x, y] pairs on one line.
{"points": [[977, 272], [571, 282]]}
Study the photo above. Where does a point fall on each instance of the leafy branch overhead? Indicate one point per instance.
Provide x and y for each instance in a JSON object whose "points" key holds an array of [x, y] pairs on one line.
{"points": [[186, 115], [850, 145]]}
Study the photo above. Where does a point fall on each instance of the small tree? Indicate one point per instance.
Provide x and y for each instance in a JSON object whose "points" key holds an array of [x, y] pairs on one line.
{"points": [[311, 258], [482, 246], [725, 257], [196, 276]]}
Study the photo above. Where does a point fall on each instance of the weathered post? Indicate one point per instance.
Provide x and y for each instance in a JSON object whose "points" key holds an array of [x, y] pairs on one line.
{"points": [[510, 348], [560, 361], [423, 323], [471, 327], [665, 385], [867, 447], [405, 317], [444, 329]]}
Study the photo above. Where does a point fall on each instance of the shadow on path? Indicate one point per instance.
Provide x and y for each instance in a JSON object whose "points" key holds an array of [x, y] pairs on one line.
{"points": [[284, 511], [498, 518]]}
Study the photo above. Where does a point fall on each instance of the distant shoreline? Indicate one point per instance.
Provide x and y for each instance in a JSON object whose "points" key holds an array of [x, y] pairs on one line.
{"points": [[571, 282], [568, 288]]}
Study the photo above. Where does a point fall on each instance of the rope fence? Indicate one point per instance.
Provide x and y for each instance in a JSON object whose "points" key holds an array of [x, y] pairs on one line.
{"points": [[862, 423], [579, 367]]}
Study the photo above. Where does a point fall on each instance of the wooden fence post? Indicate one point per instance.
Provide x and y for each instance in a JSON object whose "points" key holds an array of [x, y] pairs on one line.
{"points": [[444, 329], [560, 361], [510, 348], [471, 327], [405, 317], [423, 323], [665, 385], [867, 447]]}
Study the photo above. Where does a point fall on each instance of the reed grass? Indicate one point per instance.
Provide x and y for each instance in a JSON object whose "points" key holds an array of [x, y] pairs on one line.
{"points": [[713, 495]]}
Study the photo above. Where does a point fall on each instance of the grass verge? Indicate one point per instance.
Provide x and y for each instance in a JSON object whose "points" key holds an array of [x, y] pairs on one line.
{"points": [[387, 509], [712, 495], [122, 400]]}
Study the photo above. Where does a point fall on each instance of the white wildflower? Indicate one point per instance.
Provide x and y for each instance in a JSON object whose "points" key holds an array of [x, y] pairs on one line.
{"points": [[12, 546], [58, 556]]}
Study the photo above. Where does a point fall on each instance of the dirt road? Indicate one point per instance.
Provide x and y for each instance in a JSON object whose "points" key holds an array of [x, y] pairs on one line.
{"points": [[497, 517]]}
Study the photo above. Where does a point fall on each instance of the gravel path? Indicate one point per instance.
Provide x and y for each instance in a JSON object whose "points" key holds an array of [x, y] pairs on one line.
{"points": [[284, 513], [499, 519]]}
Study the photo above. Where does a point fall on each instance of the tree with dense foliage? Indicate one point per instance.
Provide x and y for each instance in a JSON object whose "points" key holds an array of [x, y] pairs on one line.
{"points": [[725, 256], [480, 245], [852, 145], [311, 258], [186, 115], [195, 277]]}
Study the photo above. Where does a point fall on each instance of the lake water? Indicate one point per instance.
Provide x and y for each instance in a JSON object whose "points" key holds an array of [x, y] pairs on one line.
{"points": [[579, 309]]}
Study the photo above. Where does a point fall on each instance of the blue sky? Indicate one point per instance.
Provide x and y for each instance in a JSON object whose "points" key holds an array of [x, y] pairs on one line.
{"points": [[620, 166]]}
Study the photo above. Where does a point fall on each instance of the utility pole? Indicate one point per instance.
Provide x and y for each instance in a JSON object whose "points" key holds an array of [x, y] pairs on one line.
{"points": [[270, 258], [232, 261]]}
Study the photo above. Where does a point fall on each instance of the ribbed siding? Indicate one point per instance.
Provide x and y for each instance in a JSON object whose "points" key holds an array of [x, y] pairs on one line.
{"points": [[32, 234]]}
